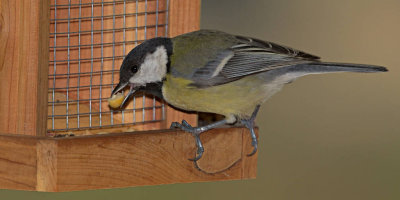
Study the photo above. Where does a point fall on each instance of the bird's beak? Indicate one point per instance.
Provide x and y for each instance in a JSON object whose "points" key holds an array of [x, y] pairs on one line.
{"points": [[131, 92], [120, 87]]}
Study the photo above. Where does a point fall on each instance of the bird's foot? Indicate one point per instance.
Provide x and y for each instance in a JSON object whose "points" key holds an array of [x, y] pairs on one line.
{"points": [[254, 143], [185, 126], [249, 123], [196, 131]]}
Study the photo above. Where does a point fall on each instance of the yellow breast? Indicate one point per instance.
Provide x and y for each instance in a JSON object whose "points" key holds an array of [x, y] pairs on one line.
{"points": [[237, 98]]}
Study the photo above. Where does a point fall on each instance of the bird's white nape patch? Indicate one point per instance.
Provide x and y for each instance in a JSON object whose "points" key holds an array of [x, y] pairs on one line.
{"points": [[153, 68]]}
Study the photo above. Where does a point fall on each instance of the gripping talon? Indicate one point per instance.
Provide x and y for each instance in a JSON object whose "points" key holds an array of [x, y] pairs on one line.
{"points": [[174, 125], [200, 151], [186, 124], [200, 148], [196, 131], [249, 123], [255, 145]]}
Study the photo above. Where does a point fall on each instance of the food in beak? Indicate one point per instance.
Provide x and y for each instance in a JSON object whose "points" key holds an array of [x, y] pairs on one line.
{"points": [[116, 100]]}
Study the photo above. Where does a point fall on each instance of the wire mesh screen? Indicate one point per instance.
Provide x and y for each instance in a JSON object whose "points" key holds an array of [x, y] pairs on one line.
{"points": [[88, 41]]}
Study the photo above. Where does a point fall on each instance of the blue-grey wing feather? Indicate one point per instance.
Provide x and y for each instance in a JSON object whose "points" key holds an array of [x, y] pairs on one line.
{"points": [[248, 56]]}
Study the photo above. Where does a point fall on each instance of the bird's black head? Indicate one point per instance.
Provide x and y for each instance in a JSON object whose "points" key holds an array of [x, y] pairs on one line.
{"points": [[145, 66]]}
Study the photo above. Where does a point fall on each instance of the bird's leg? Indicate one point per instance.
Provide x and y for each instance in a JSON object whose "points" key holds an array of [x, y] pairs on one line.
{"points": [[249, 123], [196, 131]]}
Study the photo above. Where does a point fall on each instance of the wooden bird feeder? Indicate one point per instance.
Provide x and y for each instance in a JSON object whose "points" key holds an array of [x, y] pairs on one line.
{"points": [[59, 61]]}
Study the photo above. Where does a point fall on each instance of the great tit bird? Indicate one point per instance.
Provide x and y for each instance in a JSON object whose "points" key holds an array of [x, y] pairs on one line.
{"points": [[216, 72]]}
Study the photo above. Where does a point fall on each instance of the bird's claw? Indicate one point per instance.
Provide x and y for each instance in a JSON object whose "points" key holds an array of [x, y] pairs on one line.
{"points": [[254, 143], [200, 151], [174, 125], [249, 123], [184, 126], [195, 132]]}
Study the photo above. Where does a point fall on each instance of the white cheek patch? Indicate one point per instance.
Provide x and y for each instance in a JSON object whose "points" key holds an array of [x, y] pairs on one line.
{"points": [[153, 69]]}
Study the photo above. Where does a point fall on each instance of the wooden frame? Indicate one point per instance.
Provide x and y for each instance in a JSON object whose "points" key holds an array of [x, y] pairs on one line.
{"points": [[31, 160], [23, 65], [122, 160]]}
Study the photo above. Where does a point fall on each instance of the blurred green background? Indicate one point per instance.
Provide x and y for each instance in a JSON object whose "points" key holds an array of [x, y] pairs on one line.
{"points": [[333, 136]]}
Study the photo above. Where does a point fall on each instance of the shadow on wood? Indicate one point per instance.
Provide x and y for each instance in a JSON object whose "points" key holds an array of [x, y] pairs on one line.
{"points": [[123, 160]]}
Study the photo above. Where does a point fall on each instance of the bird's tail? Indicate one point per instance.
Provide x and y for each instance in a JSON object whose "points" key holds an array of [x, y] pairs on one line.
{"points": [[327, 67], [291, 73]]}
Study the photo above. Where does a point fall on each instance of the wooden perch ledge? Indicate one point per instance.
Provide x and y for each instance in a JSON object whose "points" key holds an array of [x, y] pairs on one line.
{"points": [[122, 160]]}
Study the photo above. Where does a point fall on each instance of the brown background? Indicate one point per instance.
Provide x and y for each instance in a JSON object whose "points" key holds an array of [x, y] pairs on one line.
{"points": [[333, 136]]}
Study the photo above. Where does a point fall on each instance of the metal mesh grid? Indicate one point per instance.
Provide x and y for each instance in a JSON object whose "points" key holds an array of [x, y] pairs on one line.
{"points": [[88, 41]]}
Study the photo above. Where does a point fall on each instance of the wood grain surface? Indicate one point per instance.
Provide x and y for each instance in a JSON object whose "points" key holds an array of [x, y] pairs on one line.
{"points": [[24, 48], [18, 162], [150, 158], [46, 155], [123, 160]]}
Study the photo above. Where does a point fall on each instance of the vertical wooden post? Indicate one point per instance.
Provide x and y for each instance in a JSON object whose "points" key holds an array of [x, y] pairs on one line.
{"points": [[46, 165], [184, 16], [24, 48]]}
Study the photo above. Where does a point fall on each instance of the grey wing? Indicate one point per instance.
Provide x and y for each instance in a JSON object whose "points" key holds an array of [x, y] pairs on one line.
{"points": [[248, 56]]}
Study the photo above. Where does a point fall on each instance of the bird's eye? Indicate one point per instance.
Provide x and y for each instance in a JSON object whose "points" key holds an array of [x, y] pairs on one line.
{"points": [[134, 69]]}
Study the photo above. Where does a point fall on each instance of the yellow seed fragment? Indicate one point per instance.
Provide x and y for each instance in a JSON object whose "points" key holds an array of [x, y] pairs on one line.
{"points": [[116, 100]]}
